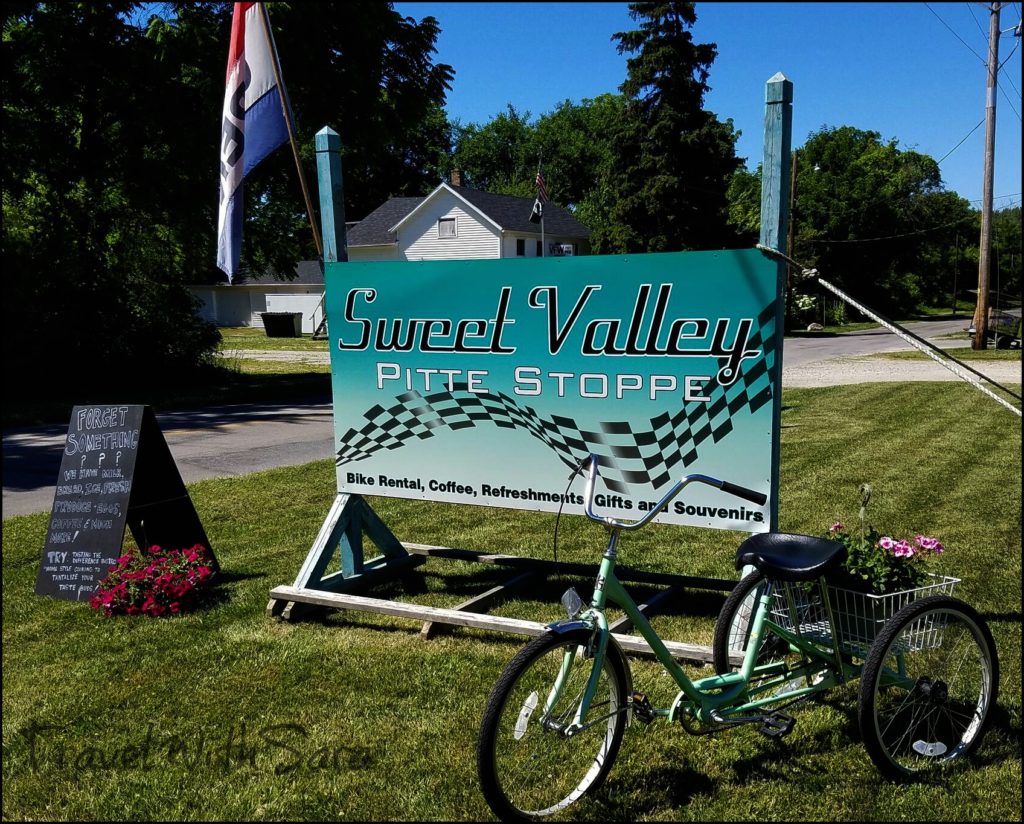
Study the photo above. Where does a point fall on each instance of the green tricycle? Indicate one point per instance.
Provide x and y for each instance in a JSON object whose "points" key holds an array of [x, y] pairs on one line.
{"points": [[926, 661]]}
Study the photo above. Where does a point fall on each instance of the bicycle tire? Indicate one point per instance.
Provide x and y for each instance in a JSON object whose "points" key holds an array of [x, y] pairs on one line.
{"points": [[527, 771], [732, 633], [928, 687], [732, 629]]}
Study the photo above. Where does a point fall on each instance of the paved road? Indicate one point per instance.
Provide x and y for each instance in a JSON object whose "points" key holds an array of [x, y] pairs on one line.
{"points": [[240, 439], [216, 442], [803, 350]]}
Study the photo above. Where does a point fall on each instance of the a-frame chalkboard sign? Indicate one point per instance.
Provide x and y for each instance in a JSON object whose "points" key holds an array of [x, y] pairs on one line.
{"points": [[116, 470]]}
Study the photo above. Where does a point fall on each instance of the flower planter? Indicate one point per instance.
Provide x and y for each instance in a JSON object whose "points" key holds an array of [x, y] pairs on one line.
{"points": [[282, 324], [858, 616]]}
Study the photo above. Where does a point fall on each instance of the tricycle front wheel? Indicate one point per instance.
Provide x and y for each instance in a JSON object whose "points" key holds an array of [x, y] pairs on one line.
{"points": [[528, 768]]}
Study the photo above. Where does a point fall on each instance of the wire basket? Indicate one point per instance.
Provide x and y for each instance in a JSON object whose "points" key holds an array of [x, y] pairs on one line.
{"points": [[859, 616]]}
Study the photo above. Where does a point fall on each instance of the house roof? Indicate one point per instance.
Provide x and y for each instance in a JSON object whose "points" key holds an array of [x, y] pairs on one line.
{"points": [[373, 229], [307, 273], [508, 212]]}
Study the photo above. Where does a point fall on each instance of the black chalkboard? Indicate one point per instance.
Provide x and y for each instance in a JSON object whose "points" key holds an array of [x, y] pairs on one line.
{"points": [[116, 470]]}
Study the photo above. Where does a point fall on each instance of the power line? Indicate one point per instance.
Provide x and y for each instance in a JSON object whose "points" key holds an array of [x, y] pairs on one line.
{"points": [[984, 33], [1006, 77], [891, 237], [957, 36], [996, 197], [961, 143]]}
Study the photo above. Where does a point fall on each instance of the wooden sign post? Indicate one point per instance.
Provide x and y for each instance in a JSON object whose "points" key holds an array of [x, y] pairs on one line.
{"points": [[116, 470]]}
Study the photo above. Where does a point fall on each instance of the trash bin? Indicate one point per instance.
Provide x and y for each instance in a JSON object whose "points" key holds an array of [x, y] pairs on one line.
{"points": [[282, 324]]}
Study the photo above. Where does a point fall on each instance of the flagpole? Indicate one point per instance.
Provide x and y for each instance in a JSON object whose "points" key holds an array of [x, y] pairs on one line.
{"points": [[543, 245], [286, 110]]}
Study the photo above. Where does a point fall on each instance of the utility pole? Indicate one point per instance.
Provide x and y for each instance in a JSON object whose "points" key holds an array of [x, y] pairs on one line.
{"points": [[984, 250]]}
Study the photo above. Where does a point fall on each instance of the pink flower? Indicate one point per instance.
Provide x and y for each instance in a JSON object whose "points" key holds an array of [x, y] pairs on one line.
{"points": [[903, 550], [929, 544], [836, 527], [886, 543]]}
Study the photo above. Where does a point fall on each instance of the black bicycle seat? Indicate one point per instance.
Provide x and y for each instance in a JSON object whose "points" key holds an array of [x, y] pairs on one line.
{"points": [[785, 557]]}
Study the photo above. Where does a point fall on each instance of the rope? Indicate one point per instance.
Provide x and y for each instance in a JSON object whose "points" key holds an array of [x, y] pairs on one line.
{"points": [[932, 351]]}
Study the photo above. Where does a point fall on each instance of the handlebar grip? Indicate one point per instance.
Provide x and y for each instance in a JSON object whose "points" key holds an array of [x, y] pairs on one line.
{"points": [[747, 494]]}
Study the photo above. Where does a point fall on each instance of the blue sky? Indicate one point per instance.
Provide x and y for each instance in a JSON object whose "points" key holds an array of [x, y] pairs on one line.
{"points": [[911, 71]]}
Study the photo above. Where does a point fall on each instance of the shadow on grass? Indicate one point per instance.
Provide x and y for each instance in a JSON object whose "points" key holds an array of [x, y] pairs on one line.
{"points": [[210, 386], [630, 799], [221, 589]]}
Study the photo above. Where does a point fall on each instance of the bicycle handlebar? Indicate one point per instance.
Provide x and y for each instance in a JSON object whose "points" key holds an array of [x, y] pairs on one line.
{"points": [[591, 490]]}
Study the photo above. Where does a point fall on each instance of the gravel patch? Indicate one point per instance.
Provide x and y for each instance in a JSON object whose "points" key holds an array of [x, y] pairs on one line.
{"points": [[839, 371]]}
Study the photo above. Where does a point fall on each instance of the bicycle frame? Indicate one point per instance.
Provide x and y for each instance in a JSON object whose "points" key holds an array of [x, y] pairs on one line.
{"points": [[718, 699]]}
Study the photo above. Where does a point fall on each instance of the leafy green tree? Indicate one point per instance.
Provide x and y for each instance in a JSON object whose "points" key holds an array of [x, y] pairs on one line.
{"points": [[875, 219], [872, 218], [90, 250], [111, 132], [573, 141], [744, 198], [1006, 249], [673, 158], [500, 155], [360, 68]]}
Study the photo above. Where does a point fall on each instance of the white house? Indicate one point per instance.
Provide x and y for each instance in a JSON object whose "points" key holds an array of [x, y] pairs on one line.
{"points": [[451, 223], [456, 223], [243, 302]]}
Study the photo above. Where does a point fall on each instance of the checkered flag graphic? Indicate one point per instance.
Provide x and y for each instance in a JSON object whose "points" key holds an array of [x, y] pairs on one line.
{"points": [[628, 458]]}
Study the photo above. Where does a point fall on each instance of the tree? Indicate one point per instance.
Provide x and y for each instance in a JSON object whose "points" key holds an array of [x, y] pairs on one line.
{"points": [[874, 219], [91, 254], [110, 155], [673, 159], [1006, 247], [499, 156], [362, 69]]}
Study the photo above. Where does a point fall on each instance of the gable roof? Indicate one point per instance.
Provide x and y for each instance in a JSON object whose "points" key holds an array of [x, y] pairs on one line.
{"points": [[307, 273], [375, 228], [507, 212]]}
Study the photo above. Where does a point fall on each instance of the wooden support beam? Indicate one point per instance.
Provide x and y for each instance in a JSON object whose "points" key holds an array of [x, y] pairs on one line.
{"points": [[334, 600], [480, 603], [374, 571], [625, 625]]}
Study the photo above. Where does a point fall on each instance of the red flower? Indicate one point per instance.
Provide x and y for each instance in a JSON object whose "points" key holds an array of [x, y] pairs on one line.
{"points": [[154, 582]]}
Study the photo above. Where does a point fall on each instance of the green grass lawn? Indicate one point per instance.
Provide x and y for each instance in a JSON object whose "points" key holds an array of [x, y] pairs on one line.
{"points": [[227, 714], [960, 353], [247, 337]]}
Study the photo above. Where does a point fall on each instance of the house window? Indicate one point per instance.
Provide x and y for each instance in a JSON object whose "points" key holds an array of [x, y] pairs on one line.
{"points": [[446, 227], [540, 249], [520, 247]]}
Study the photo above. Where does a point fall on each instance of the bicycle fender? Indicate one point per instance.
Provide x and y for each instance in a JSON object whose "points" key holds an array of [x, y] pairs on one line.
{"points": [[567, 625]]}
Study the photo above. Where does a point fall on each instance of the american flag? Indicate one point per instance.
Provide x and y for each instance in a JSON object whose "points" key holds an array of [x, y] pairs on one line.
{"points": [[542, 197], [542, 191]]}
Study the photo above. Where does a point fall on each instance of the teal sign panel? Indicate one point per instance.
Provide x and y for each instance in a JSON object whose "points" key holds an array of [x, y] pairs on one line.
{"points": [[487, 381]]}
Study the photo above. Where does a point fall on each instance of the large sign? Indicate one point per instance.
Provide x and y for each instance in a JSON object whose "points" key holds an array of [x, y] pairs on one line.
{"points": [[487, 381]]}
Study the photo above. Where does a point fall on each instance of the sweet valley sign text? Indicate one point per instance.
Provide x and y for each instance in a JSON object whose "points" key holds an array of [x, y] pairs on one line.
{"points": [[485, 382]]}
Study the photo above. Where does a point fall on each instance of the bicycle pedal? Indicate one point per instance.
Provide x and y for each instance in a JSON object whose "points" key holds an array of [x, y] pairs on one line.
{"points": [[642, 709], [777, 725]]}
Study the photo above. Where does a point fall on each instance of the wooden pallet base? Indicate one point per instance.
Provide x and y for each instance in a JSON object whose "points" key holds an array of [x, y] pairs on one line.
{"points": [[289, 602]]}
